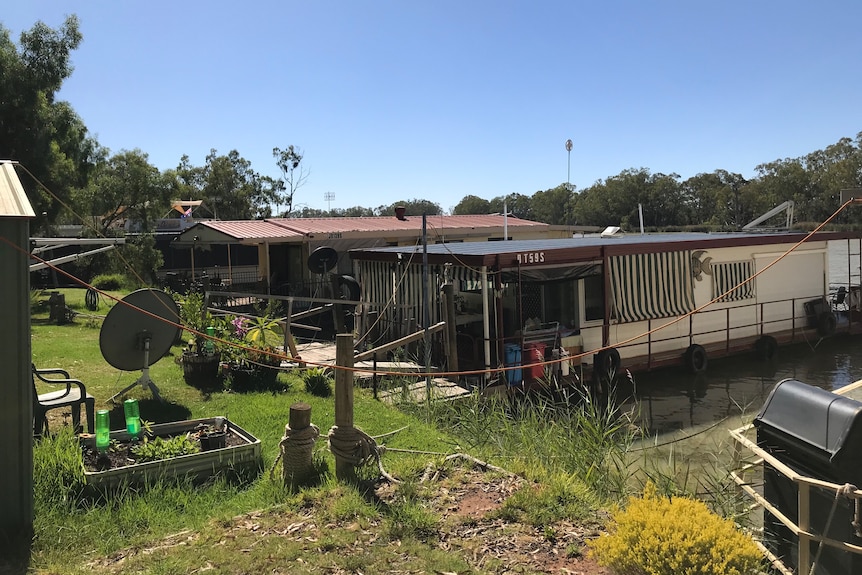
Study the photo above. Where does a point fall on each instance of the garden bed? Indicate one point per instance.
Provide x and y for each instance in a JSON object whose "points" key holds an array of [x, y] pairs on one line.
{"points": [[119, 465]]}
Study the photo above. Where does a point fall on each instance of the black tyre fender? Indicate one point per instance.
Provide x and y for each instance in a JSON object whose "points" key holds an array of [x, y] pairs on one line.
{"points": [[350, 287], [766, 347], [826, 323], [696, 359], [607, 362]]}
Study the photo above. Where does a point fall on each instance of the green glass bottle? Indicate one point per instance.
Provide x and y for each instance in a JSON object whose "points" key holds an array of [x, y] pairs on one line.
{"points": [[103, 429], [133, 417], [209, 345]]}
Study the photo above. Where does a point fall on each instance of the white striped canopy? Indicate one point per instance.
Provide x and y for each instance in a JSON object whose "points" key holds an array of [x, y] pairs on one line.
{"points": [[396, 289], [651, 286]]}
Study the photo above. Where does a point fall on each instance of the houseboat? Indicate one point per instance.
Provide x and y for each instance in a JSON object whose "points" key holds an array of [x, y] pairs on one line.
{"points": [[614, 302]]}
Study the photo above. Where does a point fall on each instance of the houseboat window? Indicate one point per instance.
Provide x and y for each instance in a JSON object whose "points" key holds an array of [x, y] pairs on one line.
{"points": [[561, 303], [726, 276], [594, 301]]}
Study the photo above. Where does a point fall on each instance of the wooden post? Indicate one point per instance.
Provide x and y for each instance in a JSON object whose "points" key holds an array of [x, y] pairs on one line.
{"points": [[300, 415], [411, 328], [449, 318], [16, 387], [298, 453], [344, 470], [337, 311], [372, 328]]}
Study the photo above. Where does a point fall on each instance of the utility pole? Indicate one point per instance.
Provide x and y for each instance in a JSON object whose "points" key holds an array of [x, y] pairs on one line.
{"points": [[569, 168]]}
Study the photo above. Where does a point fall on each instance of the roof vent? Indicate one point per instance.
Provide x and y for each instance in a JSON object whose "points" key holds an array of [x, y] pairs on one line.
{"points": [[399, 212], [612, 232]]}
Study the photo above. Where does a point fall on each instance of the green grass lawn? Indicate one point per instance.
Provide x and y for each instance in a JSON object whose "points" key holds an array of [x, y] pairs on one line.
{"points": [[70, 532], [567, 453]]}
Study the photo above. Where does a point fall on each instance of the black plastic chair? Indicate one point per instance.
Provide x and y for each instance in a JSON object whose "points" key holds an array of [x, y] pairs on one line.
{"points": [[73, 396], [840, 297]]}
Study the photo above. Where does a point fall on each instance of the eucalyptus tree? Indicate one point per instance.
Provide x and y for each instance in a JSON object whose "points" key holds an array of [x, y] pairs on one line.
{"points": [[835, 168], [471, 204], [551, 206], [231, 189], [414, 207], [46, 136], [517, 205], [778, 181], [711, 198], [308, 212], [126, 194], [294, 175], [352, 212], [616, 200], [125, 188]]}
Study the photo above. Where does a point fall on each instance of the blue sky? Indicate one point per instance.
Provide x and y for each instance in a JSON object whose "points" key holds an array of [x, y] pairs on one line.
{"points": [[394, 100]]}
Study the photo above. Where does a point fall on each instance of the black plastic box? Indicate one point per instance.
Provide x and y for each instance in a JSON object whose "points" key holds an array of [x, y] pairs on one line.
{"points": [[818, 434]]}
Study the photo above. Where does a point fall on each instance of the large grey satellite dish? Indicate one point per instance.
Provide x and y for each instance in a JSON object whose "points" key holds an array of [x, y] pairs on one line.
{"points": [[322, 259], [138, 332]]}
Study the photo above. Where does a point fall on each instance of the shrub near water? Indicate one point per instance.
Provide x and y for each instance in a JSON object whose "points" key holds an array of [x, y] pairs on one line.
{"points": [[655, 535]]}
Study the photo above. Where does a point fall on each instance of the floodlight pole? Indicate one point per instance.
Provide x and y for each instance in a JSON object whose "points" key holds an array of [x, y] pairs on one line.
{"points": [[569, 167]]}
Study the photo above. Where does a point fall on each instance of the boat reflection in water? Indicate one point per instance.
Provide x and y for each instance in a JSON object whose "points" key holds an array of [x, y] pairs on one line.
{"points": [[671, 401]]}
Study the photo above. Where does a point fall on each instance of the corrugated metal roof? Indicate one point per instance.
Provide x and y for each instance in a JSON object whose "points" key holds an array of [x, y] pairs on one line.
{"points": [[287, 229], [247, 229], [519, 246], [560, 251], [13, 199], [391, 223]]}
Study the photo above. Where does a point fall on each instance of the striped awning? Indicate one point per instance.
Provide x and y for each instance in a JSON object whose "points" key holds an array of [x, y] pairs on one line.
{"points": [[651, 286], [726, 278], [395, 289]]}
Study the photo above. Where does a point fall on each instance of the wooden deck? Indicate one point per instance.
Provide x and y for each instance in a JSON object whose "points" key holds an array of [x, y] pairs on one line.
{"points": [[323, 353]]}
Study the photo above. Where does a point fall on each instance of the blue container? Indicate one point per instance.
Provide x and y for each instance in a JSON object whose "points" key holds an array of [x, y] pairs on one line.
{"points": [[513, 357]]}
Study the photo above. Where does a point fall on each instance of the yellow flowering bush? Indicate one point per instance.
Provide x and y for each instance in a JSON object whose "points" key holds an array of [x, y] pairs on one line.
{"points": [[656, 535]]}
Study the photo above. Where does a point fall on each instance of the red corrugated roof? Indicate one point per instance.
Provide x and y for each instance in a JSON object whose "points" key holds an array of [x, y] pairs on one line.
{"points": [[391, 223], [297, 227], [243, 229]]}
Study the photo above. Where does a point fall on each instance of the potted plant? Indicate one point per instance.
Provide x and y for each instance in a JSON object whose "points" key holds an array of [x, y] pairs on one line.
{"points": [[253, 363], [214, 435], [201, 356]]}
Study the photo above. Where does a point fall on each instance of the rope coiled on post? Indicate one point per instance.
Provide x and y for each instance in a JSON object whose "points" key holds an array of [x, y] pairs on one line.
{"points": [[296, 448], [354, 446]]}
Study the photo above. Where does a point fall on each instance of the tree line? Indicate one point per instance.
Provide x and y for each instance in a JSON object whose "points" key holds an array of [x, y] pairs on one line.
{"points": [[76, 180]]}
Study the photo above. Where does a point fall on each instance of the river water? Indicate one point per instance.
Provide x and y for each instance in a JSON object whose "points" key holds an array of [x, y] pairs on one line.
{"points": [[673, 402]]}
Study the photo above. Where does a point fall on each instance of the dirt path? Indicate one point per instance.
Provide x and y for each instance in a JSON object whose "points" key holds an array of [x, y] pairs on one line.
{"points": [[469, 527]]}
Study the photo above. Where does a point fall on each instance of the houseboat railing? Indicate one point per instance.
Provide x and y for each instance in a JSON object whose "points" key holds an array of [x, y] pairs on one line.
{"points": [[770, 319], [742, 475], [799, 326]]}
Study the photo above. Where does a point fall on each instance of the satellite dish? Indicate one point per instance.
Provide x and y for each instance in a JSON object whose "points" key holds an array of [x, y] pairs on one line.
{"points": [[138, 332], [322, 260]]}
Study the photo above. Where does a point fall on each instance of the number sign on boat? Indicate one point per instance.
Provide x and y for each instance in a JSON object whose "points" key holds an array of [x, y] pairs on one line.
{"points": [[531, 258]]}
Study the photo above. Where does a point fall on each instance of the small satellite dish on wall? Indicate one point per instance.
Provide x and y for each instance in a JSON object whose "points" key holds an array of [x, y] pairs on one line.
{"points": [[137, 332], [322, 260]]}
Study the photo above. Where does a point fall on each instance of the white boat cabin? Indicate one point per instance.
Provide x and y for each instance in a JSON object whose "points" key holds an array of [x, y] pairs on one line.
{"points": [[624, 302]]}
